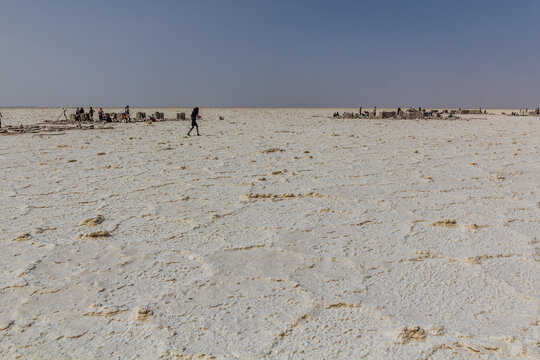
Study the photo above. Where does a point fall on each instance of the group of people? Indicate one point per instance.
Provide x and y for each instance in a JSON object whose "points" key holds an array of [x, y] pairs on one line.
{"points": [[399, 112], [101, 115], [105, 117], [526, 112], [365, 113], [80, 111]]}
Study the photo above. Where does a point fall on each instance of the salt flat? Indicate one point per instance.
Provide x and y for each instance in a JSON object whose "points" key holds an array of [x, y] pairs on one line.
{"points": [[279, 233]]}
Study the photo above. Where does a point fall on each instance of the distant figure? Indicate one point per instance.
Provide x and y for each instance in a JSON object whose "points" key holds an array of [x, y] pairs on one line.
{"points": [[194, 115], [537, 111], [374, 111], [0, 120], [78, 111], [399, 111], [100, 114], [82, 111], [360, 111], [91, 112], [126, 113]]}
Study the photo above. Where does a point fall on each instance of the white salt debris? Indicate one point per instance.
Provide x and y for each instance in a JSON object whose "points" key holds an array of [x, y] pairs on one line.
{"points": [[277, 234]]}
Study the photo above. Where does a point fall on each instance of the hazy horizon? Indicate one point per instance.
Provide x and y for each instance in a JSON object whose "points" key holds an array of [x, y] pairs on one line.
{"points": [[427, 107], [270, 54]]}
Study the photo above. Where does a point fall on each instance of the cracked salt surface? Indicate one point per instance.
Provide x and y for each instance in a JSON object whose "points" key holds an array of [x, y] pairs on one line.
{"points": [[271, 237]]}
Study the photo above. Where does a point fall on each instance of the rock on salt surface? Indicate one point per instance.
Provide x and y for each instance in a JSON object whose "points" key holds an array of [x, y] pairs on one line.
{"points": [[334, 255]]}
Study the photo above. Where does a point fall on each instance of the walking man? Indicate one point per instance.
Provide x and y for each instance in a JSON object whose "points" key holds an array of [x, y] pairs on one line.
{"points": [[194, 115]]}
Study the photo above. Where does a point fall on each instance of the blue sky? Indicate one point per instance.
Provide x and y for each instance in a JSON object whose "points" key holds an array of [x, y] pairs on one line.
{"points": [[297, 53]]}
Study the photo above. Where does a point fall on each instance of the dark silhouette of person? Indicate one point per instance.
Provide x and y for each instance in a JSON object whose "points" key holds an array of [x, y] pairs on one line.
{"points": [[194, 115], [91, 112]]}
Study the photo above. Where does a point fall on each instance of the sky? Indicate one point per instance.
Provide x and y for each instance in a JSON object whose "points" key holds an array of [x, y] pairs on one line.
{"points": [[273, 53]]}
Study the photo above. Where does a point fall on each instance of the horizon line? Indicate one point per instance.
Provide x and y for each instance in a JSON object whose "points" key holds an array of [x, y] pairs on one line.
{"points": [[273, 107]]}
